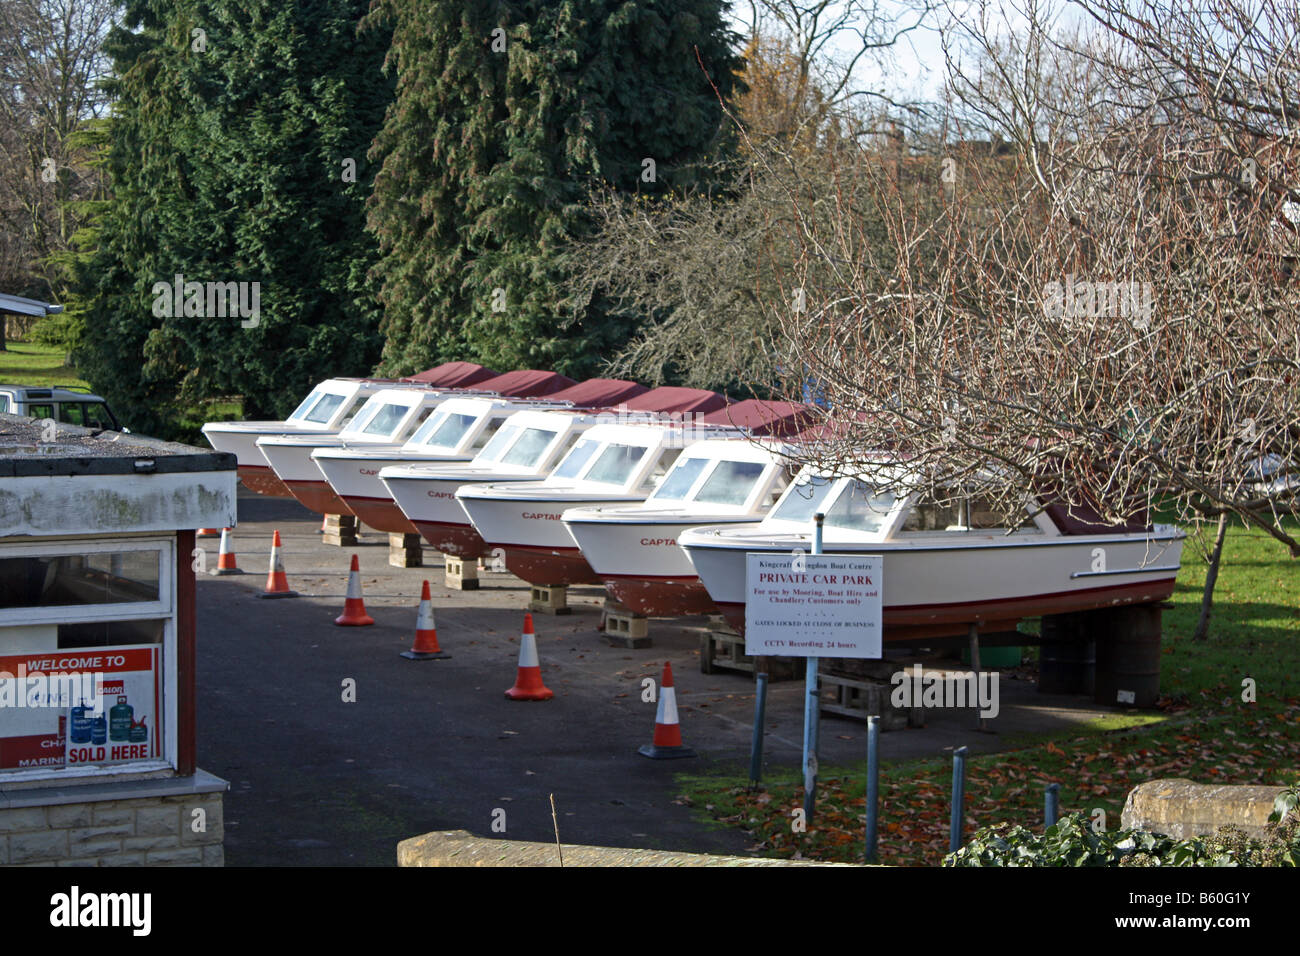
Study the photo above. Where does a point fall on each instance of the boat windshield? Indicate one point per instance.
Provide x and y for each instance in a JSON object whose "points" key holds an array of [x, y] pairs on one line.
{"points": [[324, 408], [529, 448], [615, 464], [305, 404], [450, 430], [679, 480], [576, 459], [730, 483], [860, 508], [384, 420], [803, 499], [501, 440]]}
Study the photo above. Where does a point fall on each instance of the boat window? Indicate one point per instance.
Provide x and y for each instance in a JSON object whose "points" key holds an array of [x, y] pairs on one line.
{"points": [[357, 405], [576, 459], [492, 450], [615, 463], [450, 429], [927, 514], [680, 479], [953, 511], [324, 409], [304, 405], [860, 508], [385, 420], [730, 483], [803, 499], [529, 448], [667, 458]]}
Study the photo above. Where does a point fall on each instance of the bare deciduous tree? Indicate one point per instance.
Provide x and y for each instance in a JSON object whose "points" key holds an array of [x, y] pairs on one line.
{"points": [[1109, 310], [50, 66]]}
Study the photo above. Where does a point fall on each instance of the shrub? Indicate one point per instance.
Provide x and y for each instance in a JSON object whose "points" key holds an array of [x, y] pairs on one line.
{"points": [[1072, 842]]}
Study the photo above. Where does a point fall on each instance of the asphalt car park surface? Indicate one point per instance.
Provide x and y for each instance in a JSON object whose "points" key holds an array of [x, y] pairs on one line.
{"points": [[434, 745]]}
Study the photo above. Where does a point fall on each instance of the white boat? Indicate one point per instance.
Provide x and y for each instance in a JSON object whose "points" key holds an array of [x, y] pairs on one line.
{"points": [[460, 430], [945, 568], [389, 417], [633, 548], [611, 464], [526, 448], [323, 412]]}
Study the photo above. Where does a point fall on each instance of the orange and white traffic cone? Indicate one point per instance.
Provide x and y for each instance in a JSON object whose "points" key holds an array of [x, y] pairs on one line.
{"points": [[354, 609], [668, 732], [226, 558], [528, 679], [426, 646], [277, 585], [207, 532]]}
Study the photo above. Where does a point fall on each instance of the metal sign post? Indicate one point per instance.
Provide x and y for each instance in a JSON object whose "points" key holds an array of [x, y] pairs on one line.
{"points": [[810, 709]]}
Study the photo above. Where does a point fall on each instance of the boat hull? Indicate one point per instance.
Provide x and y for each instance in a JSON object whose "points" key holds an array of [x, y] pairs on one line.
{"points": [[292, 463], [941, 592], [458, 540], [535, 542], [667, 596], [240, 439], [355, 480], [262, 480], [638, 558], [429, 502]]}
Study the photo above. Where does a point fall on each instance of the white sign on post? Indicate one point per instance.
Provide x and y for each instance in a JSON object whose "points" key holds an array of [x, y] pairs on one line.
{"points": [[829, 607]]}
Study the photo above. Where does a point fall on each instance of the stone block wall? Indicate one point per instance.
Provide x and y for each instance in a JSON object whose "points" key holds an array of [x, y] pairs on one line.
{"points": [[145, 831]]}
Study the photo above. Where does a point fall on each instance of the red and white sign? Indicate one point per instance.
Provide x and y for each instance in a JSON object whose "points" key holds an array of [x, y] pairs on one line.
{"points": [[64, 708]]}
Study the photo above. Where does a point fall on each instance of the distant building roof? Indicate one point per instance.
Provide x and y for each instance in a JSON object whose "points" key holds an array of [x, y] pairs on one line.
{"points": [[20, 306]]}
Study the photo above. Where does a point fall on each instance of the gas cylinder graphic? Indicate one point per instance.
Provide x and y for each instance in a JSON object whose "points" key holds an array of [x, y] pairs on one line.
{"points": [[139, 732], [99, 729], [119, 720], [80, 724]]}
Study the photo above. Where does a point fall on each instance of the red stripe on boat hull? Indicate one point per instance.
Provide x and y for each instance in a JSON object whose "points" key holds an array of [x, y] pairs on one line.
{"points": [[458, 540], [548, 567], [664, 596], [263, 480], [382, 515], [319, 497]]}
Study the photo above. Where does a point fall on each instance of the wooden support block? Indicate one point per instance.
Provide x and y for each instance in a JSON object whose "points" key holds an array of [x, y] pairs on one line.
{"points": [[860, 699], [546, 599], [404, 551], [722, 648], [625, 629], [460, 575], [340, 530]]}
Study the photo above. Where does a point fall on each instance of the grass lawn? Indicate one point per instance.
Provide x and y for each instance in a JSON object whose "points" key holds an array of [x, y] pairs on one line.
{"points": [[1203, 730], [27, 363]]}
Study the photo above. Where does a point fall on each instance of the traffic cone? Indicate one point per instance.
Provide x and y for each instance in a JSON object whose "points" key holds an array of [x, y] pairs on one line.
{"points": [[668, 732], [207, 533], [354, 609], [226, 558], [528, 679], [277, 585], [426, 646]]}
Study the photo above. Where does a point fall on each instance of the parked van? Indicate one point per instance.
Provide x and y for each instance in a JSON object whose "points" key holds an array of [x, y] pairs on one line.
{"points": [[68, 404]]}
